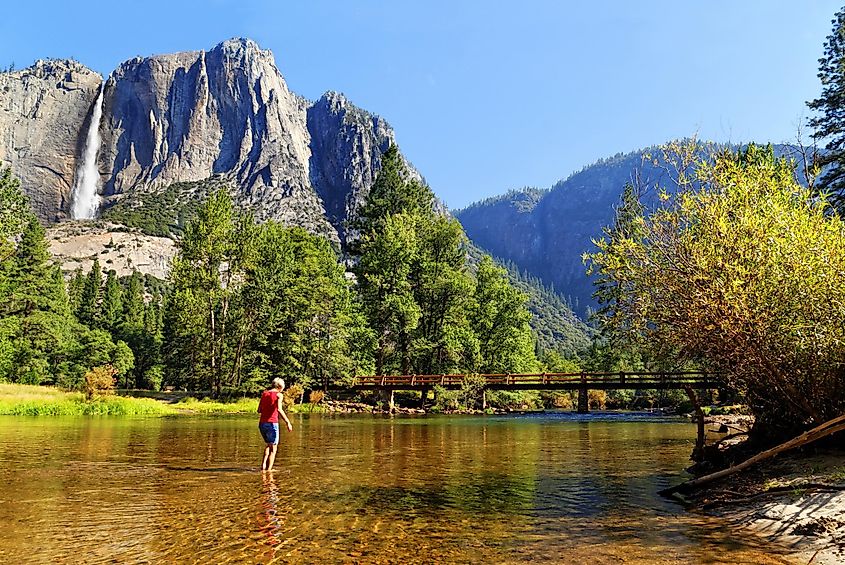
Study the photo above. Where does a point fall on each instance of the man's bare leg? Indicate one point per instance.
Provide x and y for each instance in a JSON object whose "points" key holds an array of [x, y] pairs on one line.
{"points": [[267, 449], [272, 458]]}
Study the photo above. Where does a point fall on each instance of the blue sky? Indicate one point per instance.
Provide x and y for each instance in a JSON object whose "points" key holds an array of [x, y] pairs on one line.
{"points": [[486, 96]]}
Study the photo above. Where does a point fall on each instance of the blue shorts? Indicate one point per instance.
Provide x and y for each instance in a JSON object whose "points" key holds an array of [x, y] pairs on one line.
{"points": [[270, 432]]}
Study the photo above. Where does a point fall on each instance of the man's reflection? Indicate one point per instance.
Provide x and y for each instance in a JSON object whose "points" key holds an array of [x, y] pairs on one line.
{"points": [[270, 518]]}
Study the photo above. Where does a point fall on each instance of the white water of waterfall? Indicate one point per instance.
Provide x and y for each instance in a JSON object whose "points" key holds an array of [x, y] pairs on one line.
{"points": [[86, 199]]}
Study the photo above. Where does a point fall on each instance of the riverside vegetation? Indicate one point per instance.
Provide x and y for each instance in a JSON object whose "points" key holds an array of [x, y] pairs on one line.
{"points": [[247, 300], [736, 271]]}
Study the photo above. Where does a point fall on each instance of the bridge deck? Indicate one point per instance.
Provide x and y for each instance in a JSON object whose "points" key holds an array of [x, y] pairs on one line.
{"points": [[540, 381]]}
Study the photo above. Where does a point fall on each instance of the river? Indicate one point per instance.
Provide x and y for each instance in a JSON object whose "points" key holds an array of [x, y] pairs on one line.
{"points": [[553, 488]]}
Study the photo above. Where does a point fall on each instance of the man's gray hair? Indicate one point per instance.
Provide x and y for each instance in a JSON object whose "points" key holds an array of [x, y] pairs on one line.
{"points": [[279, 383]]}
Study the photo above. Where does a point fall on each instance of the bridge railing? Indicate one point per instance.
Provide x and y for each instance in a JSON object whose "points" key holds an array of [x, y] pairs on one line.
{"points": [[632, 379]]}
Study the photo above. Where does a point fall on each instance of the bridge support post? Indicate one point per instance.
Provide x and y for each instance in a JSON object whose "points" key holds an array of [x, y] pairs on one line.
{"points": [[484, 399], [583, 401], [387, 399], [423, 397]]}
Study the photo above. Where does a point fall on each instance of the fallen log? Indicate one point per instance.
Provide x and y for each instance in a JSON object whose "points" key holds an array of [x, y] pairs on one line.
{"points": [[830, 427]]}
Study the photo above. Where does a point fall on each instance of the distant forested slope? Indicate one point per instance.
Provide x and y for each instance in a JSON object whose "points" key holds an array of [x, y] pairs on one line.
{"points": [[553, 322], [544, 232]]}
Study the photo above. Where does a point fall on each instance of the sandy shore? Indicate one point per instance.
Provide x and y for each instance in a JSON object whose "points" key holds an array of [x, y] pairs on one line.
{"points": [[797, 503], [810, 526]]}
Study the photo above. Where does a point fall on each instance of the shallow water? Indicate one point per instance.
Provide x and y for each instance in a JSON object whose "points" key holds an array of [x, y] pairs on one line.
{"points": [[546, 489]]}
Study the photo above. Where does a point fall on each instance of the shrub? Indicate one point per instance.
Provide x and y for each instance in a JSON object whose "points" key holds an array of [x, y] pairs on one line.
{"points": [[316, 397], [597, 399], [472, 390], [99, 381], [445, 399], [740, 273], [291, 394]]}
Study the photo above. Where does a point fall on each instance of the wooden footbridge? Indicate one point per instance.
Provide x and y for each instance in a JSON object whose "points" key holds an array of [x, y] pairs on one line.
{"points": [[582, 382]]}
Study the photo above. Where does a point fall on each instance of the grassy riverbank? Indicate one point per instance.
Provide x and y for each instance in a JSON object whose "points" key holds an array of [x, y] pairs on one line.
{"points": [[30, 400]]}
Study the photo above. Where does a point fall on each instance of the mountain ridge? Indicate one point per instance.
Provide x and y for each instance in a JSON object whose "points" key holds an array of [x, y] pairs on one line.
{"points": [[190, 116], [545, 231]]}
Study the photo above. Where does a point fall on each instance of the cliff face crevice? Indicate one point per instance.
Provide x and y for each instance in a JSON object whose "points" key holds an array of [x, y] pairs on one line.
{"points": [[184, 117]]}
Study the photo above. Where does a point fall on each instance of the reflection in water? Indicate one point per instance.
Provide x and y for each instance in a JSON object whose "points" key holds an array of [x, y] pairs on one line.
{"points": [[270, 519], [368, 490]]}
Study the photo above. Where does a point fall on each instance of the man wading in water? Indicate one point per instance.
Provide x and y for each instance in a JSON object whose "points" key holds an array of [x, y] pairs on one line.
{"points": [[270, 408]]}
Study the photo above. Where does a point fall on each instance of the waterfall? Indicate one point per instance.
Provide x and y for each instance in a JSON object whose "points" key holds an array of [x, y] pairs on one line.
{"points": [[85, 199]]}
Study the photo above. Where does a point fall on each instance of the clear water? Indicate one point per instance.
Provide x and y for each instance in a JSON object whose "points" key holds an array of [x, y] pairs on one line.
{"points": [[544, 489]]}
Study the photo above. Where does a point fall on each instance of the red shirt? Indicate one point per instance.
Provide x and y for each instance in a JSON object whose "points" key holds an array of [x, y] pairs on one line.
{"points": [[267, 406]]}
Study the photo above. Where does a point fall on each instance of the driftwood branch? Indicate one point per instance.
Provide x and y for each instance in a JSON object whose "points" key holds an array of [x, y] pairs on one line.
{"points": [[730, 437], [830, 427]]}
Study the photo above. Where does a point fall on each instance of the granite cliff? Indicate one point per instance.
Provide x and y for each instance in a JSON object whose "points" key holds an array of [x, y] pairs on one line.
{"points": [[225, 113], [43, 112], [545, 232]]}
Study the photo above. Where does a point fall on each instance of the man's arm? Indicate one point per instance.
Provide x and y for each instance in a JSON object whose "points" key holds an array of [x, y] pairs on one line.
{"points": [[283, 415]]}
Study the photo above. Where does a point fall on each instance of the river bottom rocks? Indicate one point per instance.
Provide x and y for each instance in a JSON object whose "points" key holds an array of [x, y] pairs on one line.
{"points": [[337, 406]]}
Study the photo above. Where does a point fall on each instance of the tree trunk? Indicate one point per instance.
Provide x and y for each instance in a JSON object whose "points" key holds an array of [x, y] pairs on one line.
{"points": [[212, 346], [698, 451]]}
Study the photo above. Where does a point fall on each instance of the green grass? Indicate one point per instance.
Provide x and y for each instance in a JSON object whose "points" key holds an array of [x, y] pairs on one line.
{"points": [[208, 406], [838, 475], [30, 400], [241, 406]]}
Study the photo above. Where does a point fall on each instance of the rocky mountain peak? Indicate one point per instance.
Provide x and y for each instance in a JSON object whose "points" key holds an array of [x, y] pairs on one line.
{"points": [[224, 113], [61, 70], [241, 48]]}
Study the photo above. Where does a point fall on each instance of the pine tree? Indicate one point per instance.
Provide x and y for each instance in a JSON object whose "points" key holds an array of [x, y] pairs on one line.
{"points": [[74, 289], [830, 123], [394, 191], [45, 342], [89, 301], [61, 302], [32, 280], [111, 312], [628, 225], [133, 301], [14, 211]]}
